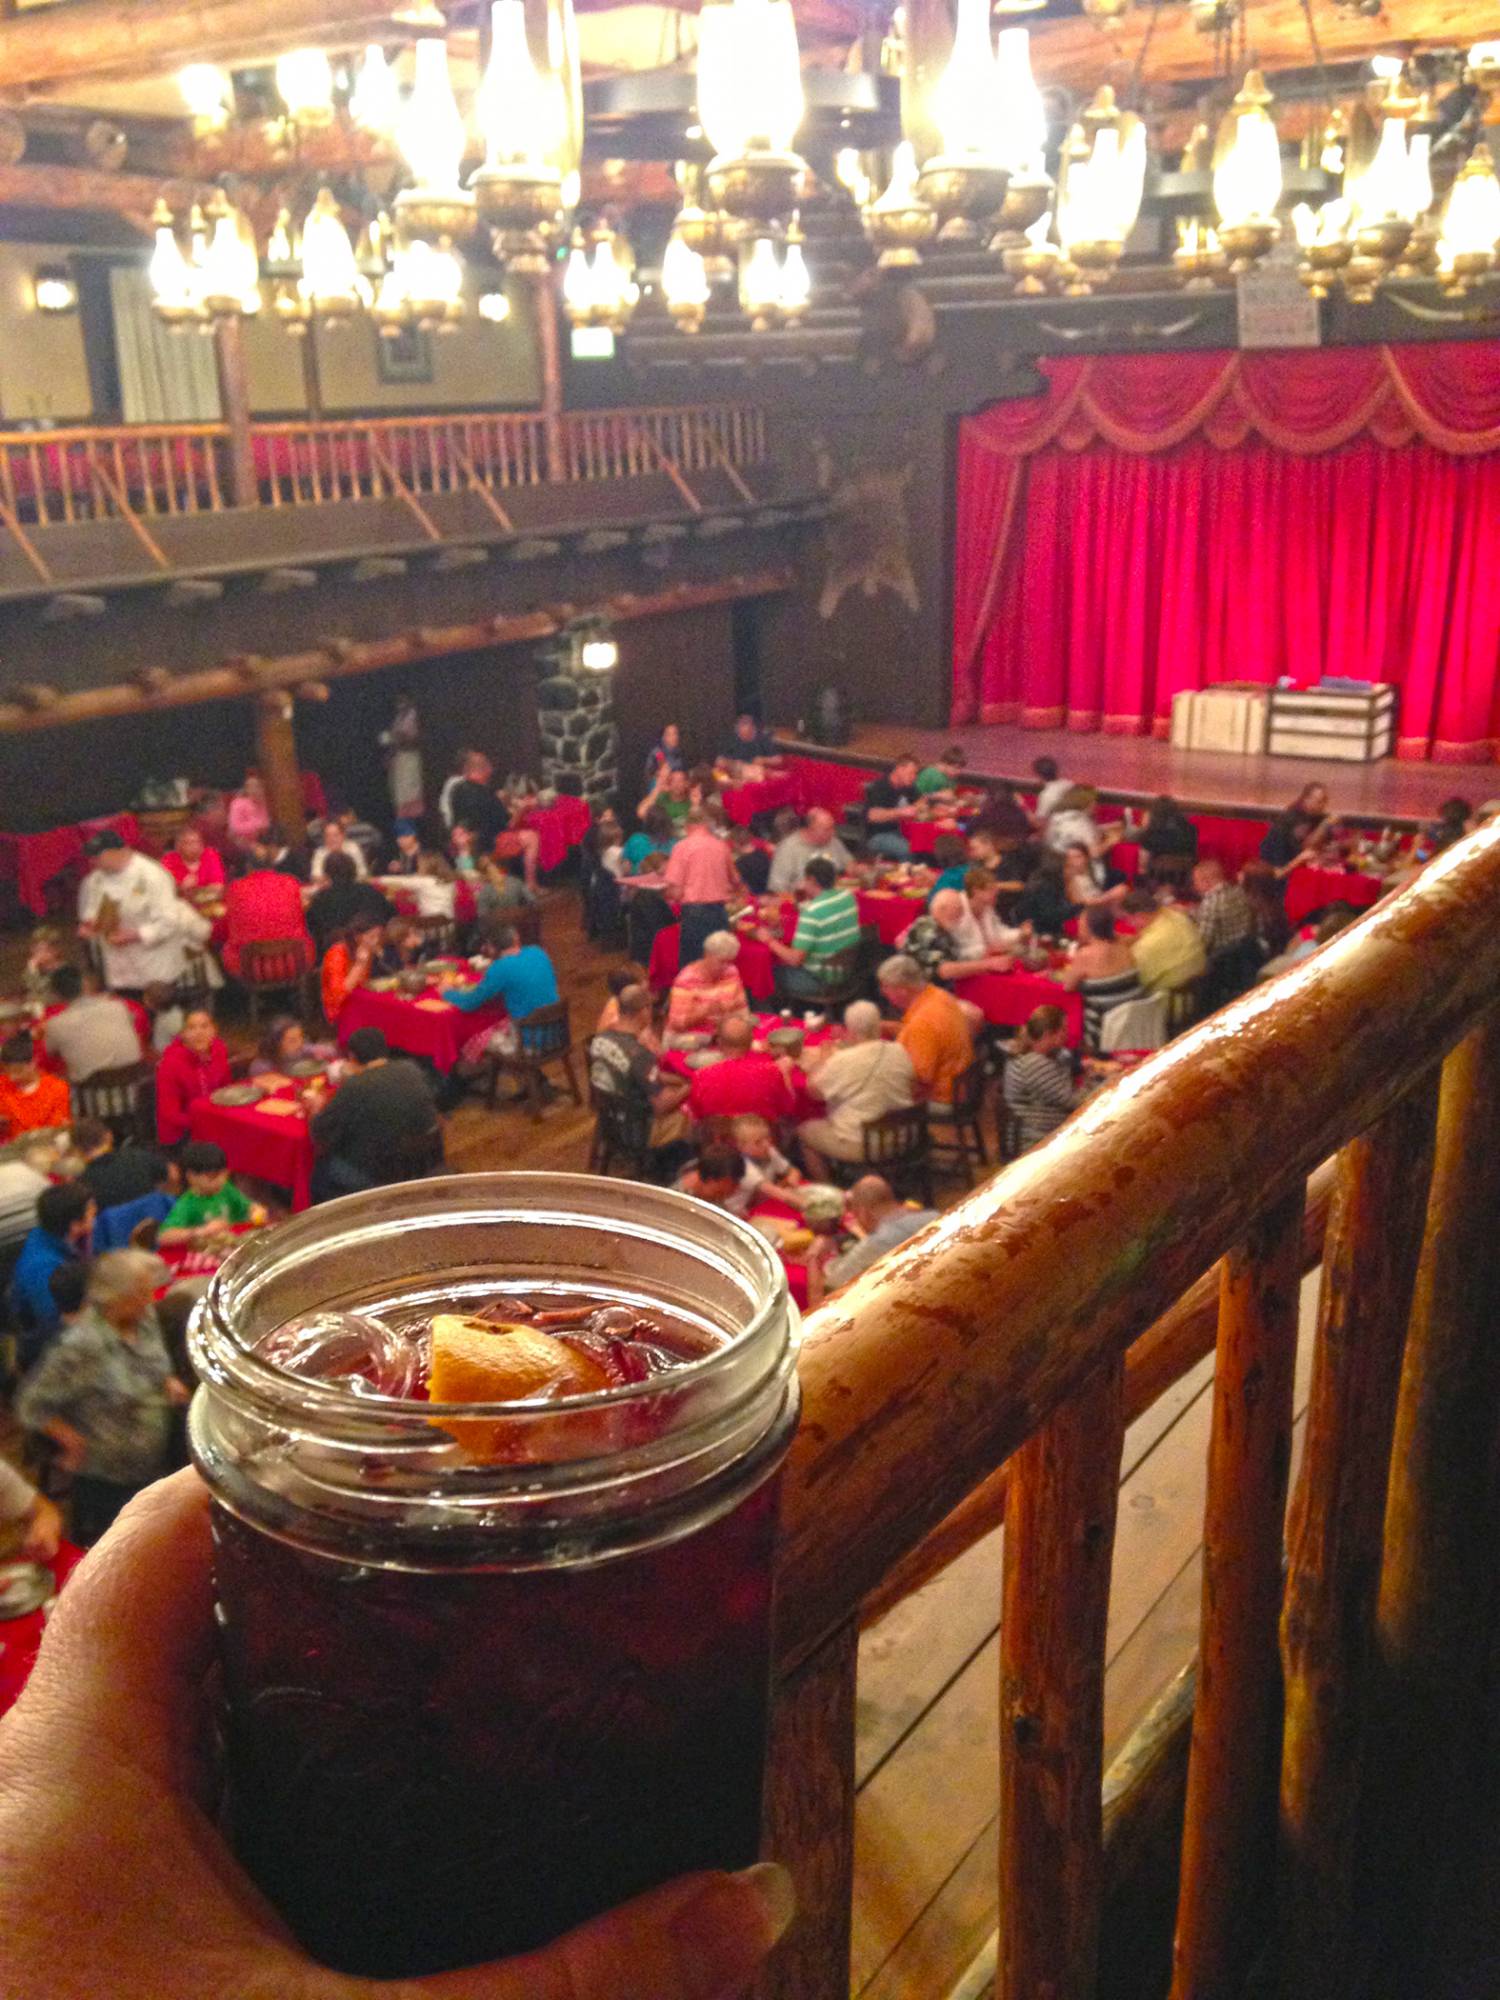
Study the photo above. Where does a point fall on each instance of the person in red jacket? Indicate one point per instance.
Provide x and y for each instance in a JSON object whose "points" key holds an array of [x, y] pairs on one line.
{"points": [[192, 1066]]}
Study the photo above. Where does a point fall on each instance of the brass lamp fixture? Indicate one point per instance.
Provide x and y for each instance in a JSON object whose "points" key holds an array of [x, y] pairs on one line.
{"points": [[519, 189], [431, 139], [965, 183], [1101, 181], [1247, 175], [899, 222], [750, 105], [599, 287], [1199, 259], [1470, 232]]}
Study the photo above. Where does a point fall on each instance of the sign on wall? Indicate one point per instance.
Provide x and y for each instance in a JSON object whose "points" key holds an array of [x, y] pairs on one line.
{"points": [[1275, 310]]}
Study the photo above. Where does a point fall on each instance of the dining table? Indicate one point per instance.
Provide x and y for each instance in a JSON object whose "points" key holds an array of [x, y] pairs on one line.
{"points": [[20, 1638], [1309, 889], [766, 794], [1008, 999], [269, 1140], [419, 1024]]}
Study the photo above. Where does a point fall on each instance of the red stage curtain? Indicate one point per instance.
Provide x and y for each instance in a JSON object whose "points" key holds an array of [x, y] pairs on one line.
{"points": [[1155, 523]]}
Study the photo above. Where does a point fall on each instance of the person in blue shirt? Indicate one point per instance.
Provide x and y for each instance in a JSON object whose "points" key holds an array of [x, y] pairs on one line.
{"points": [[520, 976], [64, 1223], [656, 836], [951, 856]]}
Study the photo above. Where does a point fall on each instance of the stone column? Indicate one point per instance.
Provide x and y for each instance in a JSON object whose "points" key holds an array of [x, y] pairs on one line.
{"points": [[576, 714]]}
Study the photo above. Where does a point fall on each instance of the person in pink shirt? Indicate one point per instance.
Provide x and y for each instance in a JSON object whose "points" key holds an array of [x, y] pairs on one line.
{"points": [[709, 990], [192, 863], [249, 817], [702, 881]]}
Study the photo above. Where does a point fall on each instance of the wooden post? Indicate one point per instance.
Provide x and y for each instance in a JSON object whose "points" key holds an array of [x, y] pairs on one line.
{"points": [[1231, 1769], [809, 1819], [234, 400], [276, 760], [549, 362], [1438, 1579], [1059, 1541], [1333, 1535], [312, 378]]}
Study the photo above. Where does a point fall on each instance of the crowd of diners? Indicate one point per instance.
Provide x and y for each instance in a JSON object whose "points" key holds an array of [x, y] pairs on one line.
{"points": [[754, 1111]]}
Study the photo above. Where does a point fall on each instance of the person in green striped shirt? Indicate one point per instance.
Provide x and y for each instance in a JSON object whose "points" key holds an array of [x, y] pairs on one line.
{"points": [[827, 924]]}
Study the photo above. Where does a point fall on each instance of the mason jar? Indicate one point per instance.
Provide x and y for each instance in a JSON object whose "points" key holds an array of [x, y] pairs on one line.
{"points": [[469, 1705]]}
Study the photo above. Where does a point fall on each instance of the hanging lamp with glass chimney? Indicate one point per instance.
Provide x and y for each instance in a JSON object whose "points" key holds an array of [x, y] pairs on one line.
{"points": [[431, 140], [1021, 120], [1466, 246], [1247, 177], [965, 183], [519, 188], [230, 274], [375, 101], [899, 222], [1101, 181], [750, 105], [332, 285], [176, 297]]}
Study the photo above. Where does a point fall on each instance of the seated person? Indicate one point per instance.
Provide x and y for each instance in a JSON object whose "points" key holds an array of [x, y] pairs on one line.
{"points": [[379, 1126], [767, 1169], [665, 754], [1052, 787], [1071, 823], [521, 978], [94, 1030], [1168, 835], [45, 954], [815, 840], [1002, 816], [621, 976], [65, 1217], [249, 820], [887, 801], [406, 855], [645, 852], [857, 1080], [192, 863], [708, 991], [623, 1068], [115, 1175], [880, 1222], [285, 1041], [989, 937], [948, 942], [1225, 915], [351, 962], [752, 863], [672, 794], [718, 1176], [336, 841], [464, 851], [211, 1205], [747, 1082], [1044, 902], [827, 927], [1088, 879], [1167, 946], [343, 900], [1102, 971], [31, 1525], [1297, 835], [265, 907], [1311, 940], [193, 1065], [950, 856], [403, 945], [1040, 1090], [704, 793], [749, 742], [937, 782], [934, 1030], [609, 843], [30, 1099]]}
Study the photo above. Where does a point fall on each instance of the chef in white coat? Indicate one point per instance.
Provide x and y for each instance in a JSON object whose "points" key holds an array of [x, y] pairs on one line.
{"points": [[144, 942]]}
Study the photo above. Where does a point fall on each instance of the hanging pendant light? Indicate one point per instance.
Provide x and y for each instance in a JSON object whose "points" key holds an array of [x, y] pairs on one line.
{"points": [[174, 291], [751, 105], [431, 139], [1323, 239], [304, 83], [1099, 190], [332, 285], [1021, 120], [208, 95], [1247, 175], [684, 283], [760, 283], [965, 183], [900, 222], [231, 269], [1467, 242], [375, 102], [519, 188], [796, 279], [599, 288]]}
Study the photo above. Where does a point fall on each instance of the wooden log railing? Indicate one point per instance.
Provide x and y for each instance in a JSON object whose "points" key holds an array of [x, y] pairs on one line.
{"points": [[999, 1336], [140, 471]]}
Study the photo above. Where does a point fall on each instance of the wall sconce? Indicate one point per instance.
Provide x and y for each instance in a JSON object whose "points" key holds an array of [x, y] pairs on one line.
{"points": [[595, 648], [53, 289]]}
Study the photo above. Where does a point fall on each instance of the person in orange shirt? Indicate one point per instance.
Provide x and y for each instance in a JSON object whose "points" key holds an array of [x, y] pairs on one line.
{"points": [[349, 963], [30, 1100], [934, 1028]]}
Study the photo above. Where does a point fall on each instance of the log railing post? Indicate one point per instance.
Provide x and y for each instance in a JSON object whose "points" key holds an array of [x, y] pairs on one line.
{"points": [[1059, 1542], [1369, 1264], [276, 760], [1439, 1573], [234, 399], [808, 1822], [1231, 1768]]}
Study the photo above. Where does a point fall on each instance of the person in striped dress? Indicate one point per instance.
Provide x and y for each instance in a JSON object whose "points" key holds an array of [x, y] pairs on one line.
{"points": [[1102, 971]]}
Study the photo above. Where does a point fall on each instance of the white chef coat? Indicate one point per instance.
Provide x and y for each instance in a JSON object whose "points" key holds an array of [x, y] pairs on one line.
{"points": [[147, 900]]}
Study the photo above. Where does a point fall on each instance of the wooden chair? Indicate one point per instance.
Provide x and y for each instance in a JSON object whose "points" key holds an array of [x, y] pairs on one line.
{"points": [[844, 981], [542, 1037], [439, 934], [275, 965], [415, 1159], [898, 1146], [526, 921], [1184, 1004], [123, 1098], [959, 1140], [622, 1132]]}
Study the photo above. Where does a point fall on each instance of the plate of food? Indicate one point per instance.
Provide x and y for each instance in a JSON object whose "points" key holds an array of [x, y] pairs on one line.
{"points": [[702, 1058], [306, 1066], [235, 1096], [24, 1587], [442, 967], [383, 985]]}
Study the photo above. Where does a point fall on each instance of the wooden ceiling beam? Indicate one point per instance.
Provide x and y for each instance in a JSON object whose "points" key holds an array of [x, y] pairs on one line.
{"points": [[132, 196]]}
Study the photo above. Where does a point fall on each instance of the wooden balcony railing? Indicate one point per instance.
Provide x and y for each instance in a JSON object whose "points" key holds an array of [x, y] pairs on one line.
{"points": [[139, 472], [1006, 1336]]}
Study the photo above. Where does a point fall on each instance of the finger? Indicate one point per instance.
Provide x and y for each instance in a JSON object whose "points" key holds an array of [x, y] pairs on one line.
{"points": [[700, 1938], [125, 1653]]}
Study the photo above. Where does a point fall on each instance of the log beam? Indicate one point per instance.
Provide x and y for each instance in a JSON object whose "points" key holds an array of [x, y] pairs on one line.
{"points": [[132, 196], [338, 659], [1334, 1537], [234, 407], [1059, 1542], [276, 760], [59, 45], [1224, 1844]]}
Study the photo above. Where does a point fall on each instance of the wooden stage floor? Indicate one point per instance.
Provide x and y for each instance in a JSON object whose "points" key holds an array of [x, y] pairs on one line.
{"points": [[1137, 768]]}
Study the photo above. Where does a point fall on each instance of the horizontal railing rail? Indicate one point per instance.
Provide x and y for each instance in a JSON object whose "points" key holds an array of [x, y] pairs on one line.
{"points": [[51, 478], [999, 1335]]}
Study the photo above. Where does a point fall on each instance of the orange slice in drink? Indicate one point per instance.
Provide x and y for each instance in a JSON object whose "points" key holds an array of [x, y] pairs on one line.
{"points": [[477, 1361]]}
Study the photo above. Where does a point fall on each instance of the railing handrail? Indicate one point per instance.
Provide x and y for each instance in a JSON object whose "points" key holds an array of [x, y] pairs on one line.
{"points": [[75, 434], [427, 420], [928, 1372]]}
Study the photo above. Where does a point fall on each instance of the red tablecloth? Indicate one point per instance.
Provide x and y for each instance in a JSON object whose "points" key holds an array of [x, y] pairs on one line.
{"points": [[743, 802], [891, 911], [560, 827], [438, 1033], [31, 860], [405, 897], [20, 1637], [922, 835], [1309, 889], [1007, 999], [818, 782], [270, 1146]]}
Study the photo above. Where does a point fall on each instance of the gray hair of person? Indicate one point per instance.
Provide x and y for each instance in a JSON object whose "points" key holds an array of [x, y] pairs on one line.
{"points": [[721, 944], [696, 817], [862, 1020], [901, 971], [121, 1274]]}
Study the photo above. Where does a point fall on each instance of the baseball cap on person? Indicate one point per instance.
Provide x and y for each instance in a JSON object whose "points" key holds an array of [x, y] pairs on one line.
{"points": [[104, 841], [368, 1045]]}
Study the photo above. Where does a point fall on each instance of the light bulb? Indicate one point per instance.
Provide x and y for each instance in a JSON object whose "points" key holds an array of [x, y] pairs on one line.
{"points": [[512, 102], [1020, 117], [304, 83], [1471, 224], [169, 271], [599, 654], [279, 242], [760, 279], [901, 192], [578, 281], [849, 171], [1382, 189], [750, 96], [53, 290], [1386, 68], [796, 281], [431, 133], [684, 275], [331, 281], [207, 93], [375, 103], [494, 307], [964, 101], [1247, 171]]}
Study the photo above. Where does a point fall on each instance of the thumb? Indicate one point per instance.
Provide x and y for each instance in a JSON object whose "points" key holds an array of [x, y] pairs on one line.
{"points": [[699, 1938]]}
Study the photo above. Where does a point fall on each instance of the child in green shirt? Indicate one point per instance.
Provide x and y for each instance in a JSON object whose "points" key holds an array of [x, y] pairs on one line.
{"points": [[212, 1205], [939, 781]]}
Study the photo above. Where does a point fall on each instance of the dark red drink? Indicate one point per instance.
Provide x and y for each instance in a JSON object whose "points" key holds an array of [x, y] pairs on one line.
{"points": [[471, 1704]]}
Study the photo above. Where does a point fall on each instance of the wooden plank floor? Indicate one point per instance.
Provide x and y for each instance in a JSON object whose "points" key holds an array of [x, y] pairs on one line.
{"points": [[928, 1718]]}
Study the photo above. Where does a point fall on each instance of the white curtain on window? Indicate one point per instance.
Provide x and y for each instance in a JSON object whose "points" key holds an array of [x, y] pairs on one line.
{"points": [[167, 375]]}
